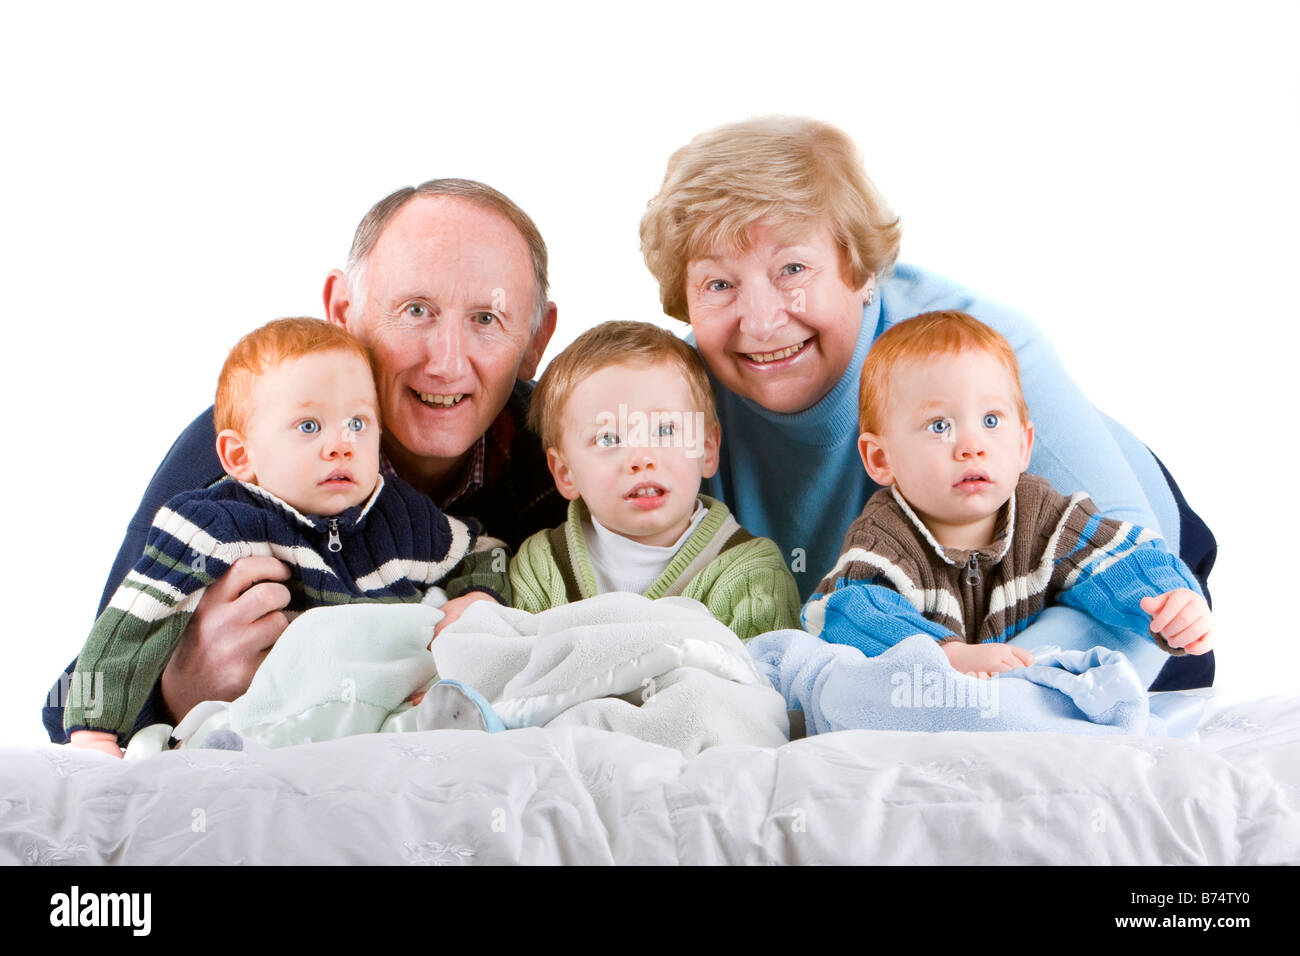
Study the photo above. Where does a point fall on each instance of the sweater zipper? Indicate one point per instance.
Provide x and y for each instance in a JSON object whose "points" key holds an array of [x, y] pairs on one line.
{"points": [[336, 543], [973, 570]]}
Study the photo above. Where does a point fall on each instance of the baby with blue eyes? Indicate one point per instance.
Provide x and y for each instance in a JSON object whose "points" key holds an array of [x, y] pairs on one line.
{"points": [[961, 543], [298, 429]]}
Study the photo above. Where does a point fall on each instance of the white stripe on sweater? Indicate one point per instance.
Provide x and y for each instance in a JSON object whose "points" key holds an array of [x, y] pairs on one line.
{"points": [[200, 542], [1036, 581], [1103, 558], [423, 572], [145, 607], [926, 600], [134, 577]]}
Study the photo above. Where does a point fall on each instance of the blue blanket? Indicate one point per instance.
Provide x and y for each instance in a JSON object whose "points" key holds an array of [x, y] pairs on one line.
{"points": [[913, 687]]}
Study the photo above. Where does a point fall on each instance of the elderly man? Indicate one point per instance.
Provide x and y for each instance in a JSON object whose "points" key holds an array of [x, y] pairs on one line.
{"points": [[446, 283]]}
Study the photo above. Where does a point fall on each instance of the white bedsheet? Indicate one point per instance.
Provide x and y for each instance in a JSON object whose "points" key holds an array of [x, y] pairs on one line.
{"points": [[580, 795]]}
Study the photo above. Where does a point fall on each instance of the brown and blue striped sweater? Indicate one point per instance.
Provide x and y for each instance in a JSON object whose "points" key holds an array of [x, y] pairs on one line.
{"points": [[893, 579]]}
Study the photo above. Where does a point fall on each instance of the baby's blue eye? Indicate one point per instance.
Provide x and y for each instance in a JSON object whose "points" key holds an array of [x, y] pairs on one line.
{"points": [[606, 440], [309, 426], [356, 425], [940, 426], [667, 430], [991, 420]]}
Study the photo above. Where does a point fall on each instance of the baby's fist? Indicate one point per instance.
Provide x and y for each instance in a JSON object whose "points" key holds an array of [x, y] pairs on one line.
{"points": [[1183, 619]]}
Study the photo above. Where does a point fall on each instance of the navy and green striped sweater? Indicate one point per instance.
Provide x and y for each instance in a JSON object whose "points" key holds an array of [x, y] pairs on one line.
{"points": [[391, 548]]}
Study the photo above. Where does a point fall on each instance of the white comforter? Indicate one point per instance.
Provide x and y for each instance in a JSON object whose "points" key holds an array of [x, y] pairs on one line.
{"points": [[580, 795]]}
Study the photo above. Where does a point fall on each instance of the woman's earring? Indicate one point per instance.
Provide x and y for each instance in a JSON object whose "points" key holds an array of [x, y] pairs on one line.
{"points": [[871, 296]]}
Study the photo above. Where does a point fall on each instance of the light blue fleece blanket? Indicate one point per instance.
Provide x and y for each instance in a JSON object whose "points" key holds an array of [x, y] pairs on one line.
{"points": [[913, 687]]}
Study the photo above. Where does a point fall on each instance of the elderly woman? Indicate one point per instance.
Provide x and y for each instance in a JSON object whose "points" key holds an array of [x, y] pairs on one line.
{"points": [[770, 240]]}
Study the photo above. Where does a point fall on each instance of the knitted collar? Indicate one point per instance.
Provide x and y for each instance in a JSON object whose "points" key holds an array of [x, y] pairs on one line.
{"points": [[699, 539], [1003, 531], [350, 518]]}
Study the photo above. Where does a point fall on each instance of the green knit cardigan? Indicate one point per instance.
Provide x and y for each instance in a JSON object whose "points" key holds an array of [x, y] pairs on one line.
{"points": [[741, 579]]}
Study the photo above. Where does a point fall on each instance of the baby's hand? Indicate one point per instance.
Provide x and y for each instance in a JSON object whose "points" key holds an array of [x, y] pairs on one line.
{"points": [[454, 608], [985, 660], [1183, 619], [95, 740]]}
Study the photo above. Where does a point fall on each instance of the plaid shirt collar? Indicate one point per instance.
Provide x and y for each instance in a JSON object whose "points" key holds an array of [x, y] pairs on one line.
{"points": [[471, 478], [487, 458]]}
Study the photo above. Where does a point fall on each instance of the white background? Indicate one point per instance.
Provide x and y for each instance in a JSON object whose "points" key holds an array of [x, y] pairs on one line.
{"points": [[1124, 173]]}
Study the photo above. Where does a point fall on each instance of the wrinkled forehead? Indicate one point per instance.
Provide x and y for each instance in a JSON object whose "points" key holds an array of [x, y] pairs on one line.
{"points": [[451, 241], [725, 237]]}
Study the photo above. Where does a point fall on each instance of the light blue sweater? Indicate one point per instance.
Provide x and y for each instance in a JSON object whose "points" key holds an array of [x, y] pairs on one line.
{"points": [[798, 480]]}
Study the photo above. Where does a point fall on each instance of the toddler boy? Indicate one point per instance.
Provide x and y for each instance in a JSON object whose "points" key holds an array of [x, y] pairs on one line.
{"points": [[626, 415], [961, 543], [298, 431]]}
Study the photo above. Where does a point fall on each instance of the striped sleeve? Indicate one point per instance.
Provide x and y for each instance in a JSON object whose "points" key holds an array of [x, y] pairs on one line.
{"points": [[187, 548], [1105, 567], [868, 615], [485, 568]]}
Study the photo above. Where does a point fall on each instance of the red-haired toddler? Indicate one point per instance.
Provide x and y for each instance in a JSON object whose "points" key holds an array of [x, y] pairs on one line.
{"points": [[960, 543], [298, 436]]}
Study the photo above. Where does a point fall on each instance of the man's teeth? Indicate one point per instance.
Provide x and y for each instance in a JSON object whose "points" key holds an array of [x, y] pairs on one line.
{"points": [[646, 493], [774, 356], [442, 401]]}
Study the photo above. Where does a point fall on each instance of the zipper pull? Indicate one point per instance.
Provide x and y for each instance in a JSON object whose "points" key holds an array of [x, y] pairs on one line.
{"points": [[336, 543], [973, 570]]}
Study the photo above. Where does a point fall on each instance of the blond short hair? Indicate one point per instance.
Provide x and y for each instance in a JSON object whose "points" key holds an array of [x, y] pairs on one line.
{"points": [[785, 170], [381, 213], [614, 343], [918, 338], [264, 349]]}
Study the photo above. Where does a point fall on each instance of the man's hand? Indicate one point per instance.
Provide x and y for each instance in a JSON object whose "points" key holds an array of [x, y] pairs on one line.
{"points": [[985, 660], [1183, 619], [454, 608], [237, 621]]}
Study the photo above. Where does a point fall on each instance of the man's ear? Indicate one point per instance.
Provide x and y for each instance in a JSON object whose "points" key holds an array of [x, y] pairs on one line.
{"points": [[234, 456], [537, 344], [1027, 446], [874, 459], [337, 298], [712, 452], [562, 474]]}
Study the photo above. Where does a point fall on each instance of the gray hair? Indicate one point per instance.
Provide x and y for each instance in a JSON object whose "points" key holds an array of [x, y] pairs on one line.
{"points": [[382, 212]]}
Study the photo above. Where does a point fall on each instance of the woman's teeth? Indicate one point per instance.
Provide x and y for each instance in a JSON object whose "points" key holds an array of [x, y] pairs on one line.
{"points": [[764, 357], [440, 401]]}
